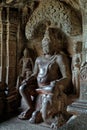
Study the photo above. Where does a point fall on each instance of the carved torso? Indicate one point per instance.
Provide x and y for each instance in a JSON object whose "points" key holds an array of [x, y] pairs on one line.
{"points": [[27, 65], [48, 70]]}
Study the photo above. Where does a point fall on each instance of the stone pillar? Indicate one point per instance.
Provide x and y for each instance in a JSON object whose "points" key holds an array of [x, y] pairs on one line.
{"points": [[2, 44], [11, 43], [13, 100], [84, 16], [9, 22], [3, 24]]}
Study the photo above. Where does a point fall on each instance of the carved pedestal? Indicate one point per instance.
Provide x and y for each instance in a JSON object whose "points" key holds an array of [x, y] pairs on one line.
{"points": [[2, 103], [13, 101], [80, 105]]}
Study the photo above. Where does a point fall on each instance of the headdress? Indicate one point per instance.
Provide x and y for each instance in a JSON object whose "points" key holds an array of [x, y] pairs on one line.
{"points": [[26, 51], [46, 35]]}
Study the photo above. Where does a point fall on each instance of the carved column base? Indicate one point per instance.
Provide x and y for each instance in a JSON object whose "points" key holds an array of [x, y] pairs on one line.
{"points": [[2, 106], [9, 102], [78, 107], [13, 101]]}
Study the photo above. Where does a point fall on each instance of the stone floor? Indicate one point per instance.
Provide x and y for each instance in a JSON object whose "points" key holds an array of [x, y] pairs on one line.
{"points": [[13, 123], [76, 123]]}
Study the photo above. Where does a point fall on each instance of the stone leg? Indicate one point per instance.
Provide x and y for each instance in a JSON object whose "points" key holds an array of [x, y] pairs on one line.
{"points": [[30, 97]]}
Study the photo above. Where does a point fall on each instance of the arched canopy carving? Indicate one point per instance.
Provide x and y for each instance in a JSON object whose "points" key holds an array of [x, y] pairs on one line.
{"points": [[60, 16]]}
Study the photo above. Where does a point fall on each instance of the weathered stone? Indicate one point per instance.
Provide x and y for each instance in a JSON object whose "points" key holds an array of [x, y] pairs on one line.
{"points": [[54, 9]]}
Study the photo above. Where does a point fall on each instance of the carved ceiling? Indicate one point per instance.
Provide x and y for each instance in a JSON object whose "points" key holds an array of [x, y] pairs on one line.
{"points": [[19, 3], [76, 5]]}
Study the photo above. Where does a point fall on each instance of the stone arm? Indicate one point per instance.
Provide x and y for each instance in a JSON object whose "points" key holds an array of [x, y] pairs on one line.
{"points": [[31, 63], [63, 64], [20, 64], [36, 68], [35, 71]]}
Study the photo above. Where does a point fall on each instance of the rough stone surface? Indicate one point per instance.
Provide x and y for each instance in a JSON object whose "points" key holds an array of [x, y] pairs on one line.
{"points": [[60, 16]]}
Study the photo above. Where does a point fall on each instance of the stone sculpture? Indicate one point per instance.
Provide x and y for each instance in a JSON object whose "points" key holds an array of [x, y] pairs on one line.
{"points": [[50, 79], [76, 64], [26, 64]]}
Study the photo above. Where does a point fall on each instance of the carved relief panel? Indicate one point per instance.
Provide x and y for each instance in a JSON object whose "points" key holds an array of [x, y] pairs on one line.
{"points": [[63, 18]]}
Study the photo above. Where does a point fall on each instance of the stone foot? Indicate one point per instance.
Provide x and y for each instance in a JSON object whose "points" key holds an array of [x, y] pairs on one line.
{"points": [[36, 117], [26, 114], [60, 120], [63, 118]]}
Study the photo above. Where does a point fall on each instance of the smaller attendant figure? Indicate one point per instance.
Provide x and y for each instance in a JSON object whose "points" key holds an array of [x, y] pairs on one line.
{"points": [[27, 67], [76, 63]]}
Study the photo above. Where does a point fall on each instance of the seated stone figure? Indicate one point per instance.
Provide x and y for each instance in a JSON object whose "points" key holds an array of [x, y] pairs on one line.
{"points": [[52, 76]]}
